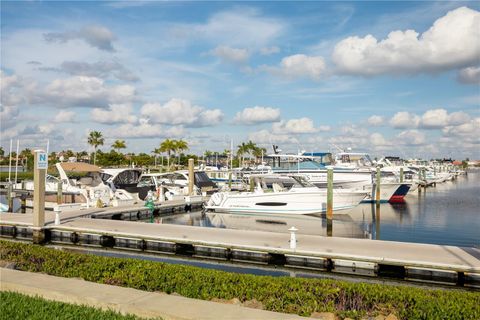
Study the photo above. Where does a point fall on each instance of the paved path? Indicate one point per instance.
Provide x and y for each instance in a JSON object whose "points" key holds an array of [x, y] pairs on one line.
{"points": [[126, 300], [388, 252]]}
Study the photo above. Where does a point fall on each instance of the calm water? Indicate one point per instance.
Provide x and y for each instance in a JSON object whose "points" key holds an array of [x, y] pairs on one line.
{"points": [[447, 214]]}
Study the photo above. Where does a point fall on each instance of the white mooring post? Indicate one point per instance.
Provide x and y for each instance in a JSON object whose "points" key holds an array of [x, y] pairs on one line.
{"points": [[57, 215], [161, 196], [293, 238]]}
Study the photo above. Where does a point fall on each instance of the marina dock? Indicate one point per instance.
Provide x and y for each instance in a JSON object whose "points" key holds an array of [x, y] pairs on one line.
{"points": [[410, 261]]}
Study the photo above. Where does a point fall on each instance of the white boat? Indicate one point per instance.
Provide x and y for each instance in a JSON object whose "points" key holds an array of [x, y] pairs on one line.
{"points": [[123, 182], [302, 198], [175, 183]]}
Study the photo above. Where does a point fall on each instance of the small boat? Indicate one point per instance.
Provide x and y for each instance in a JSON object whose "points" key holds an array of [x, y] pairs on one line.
{"points": [[302, 198]]}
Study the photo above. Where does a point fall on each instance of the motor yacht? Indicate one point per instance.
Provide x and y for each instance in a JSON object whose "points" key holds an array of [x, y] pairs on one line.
{"points": [[302, 198]]}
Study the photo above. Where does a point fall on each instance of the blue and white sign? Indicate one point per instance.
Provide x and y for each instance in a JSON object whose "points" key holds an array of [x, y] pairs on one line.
{"points": [[42, 160]]}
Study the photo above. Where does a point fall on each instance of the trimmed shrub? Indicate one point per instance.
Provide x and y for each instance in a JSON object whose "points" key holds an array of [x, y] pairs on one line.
{"points": [[282, 294]]}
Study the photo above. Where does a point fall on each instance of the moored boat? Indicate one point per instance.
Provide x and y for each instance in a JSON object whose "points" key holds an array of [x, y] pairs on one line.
{"points": [[302, 198]]}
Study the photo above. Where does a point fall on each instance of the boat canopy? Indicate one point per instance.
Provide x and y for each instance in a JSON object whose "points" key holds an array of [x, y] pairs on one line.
{"points": [[79, 167]]}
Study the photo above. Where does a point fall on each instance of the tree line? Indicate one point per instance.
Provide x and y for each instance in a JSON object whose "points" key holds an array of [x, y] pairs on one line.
{"points": [[171, 149]]}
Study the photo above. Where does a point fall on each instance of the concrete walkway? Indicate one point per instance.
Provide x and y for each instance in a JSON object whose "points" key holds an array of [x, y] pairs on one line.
{"points": [[126, 300], [386, 252]]}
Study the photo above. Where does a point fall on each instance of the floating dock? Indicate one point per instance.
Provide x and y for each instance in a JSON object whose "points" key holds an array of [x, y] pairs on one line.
{"points": [[410, 261]]}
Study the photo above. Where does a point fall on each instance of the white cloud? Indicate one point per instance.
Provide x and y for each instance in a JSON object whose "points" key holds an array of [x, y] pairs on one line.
{"points": [[266, 51], [116, 113], [81, 91], [434, 119], [181, 112], [8, 116], [233, 55], [377, 140], [145, 130], [411, 138], [402, 120], [267, 137], [96, 36], [299, 66], [100, 69], [294, 126], [243, 26], [470, 75], [376, 120], [458, 118], [451, 42], [431, 119], [324, 128], [468, 131], [64, 116], [256, 115]]}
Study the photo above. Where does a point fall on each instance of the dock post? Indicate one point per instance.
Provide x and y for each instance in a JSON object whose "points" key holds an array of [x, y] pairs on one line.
{"points": [[10, 196], [401, 175], [293, 238], [59, 193], [57, 215], [191, 176], [230, 180], [161, 197], [377, 187], [252, 184], [23, 199], [23, 203], [425, 177], [329, 202], [40, 169]]}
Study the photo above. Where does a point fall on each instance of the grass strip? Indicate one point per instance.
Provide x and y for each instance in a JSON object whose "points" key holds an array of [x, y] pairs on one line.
{"points": [[15, 306], [282, 294]]}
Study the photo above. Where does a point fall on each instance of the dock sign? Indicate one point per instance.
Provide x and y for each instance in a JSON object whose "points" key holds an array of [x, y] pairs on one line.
{"points": [[42, 160]]}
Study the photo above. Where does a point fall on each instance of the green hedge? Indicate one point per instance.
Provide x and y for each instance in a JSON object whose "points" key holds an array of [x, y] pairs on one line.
{"points": [[15, 306], [282, 294], [20, 176]]}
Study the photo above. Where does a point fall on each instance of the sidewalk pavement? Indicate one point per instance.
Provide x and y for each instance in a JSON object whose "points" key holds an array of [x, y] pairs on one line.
{"points": [[127, 300]]}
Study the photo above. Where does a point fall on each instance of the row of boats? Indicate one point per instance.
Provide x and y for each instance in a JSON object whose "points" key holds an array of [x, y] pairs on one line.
{"points": [[283, 184]]}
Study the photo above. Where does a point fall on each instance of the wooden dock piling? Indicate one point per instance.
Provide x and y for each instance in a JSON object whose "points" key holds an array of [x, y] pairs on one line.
{"points": [[191, 176], [377, 187], [38, 199], [59, 193], [10, 196], [329, 202], [401, 175]]}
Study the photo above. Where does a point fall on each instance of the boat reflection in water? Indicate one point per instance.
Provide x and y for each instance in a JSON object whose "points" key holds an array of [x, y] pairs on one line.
{"points": [[343, 225]]}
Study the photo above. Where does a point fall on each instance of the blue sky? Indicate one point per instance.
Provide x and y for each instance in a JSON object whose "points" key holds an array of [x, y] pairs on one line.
{"points": [[390, 78]]}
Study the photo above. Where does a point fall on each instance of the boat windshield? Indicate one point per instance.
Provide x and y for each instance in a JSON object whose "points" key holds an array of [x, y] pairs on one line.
{"points": [[301, 182]]}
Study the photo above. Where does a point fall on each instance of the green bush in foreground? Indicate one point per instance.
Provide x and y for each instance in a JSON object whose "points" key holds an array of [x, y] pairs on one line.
{"points": [[281, 294], [15, 306]]}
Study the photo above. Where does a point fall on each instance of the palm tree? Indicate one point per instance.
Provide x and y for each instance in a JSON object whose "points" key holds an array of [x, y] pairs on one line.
{"points": [[242, 149], [95, 139], [258, 152], [180, 145], [168, 146], [208, 153], [119, 144], [156, 152]]}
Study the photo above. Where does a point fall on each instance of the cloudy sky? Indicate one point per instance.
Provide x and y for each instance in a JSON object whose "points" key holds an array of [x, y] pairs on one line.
{"points": [[389, 78]]}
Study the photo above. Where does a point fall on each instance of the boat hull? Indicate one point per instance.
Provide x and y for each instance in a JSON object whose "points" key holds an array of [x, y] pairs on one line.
{"points": [[294, 203]]}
